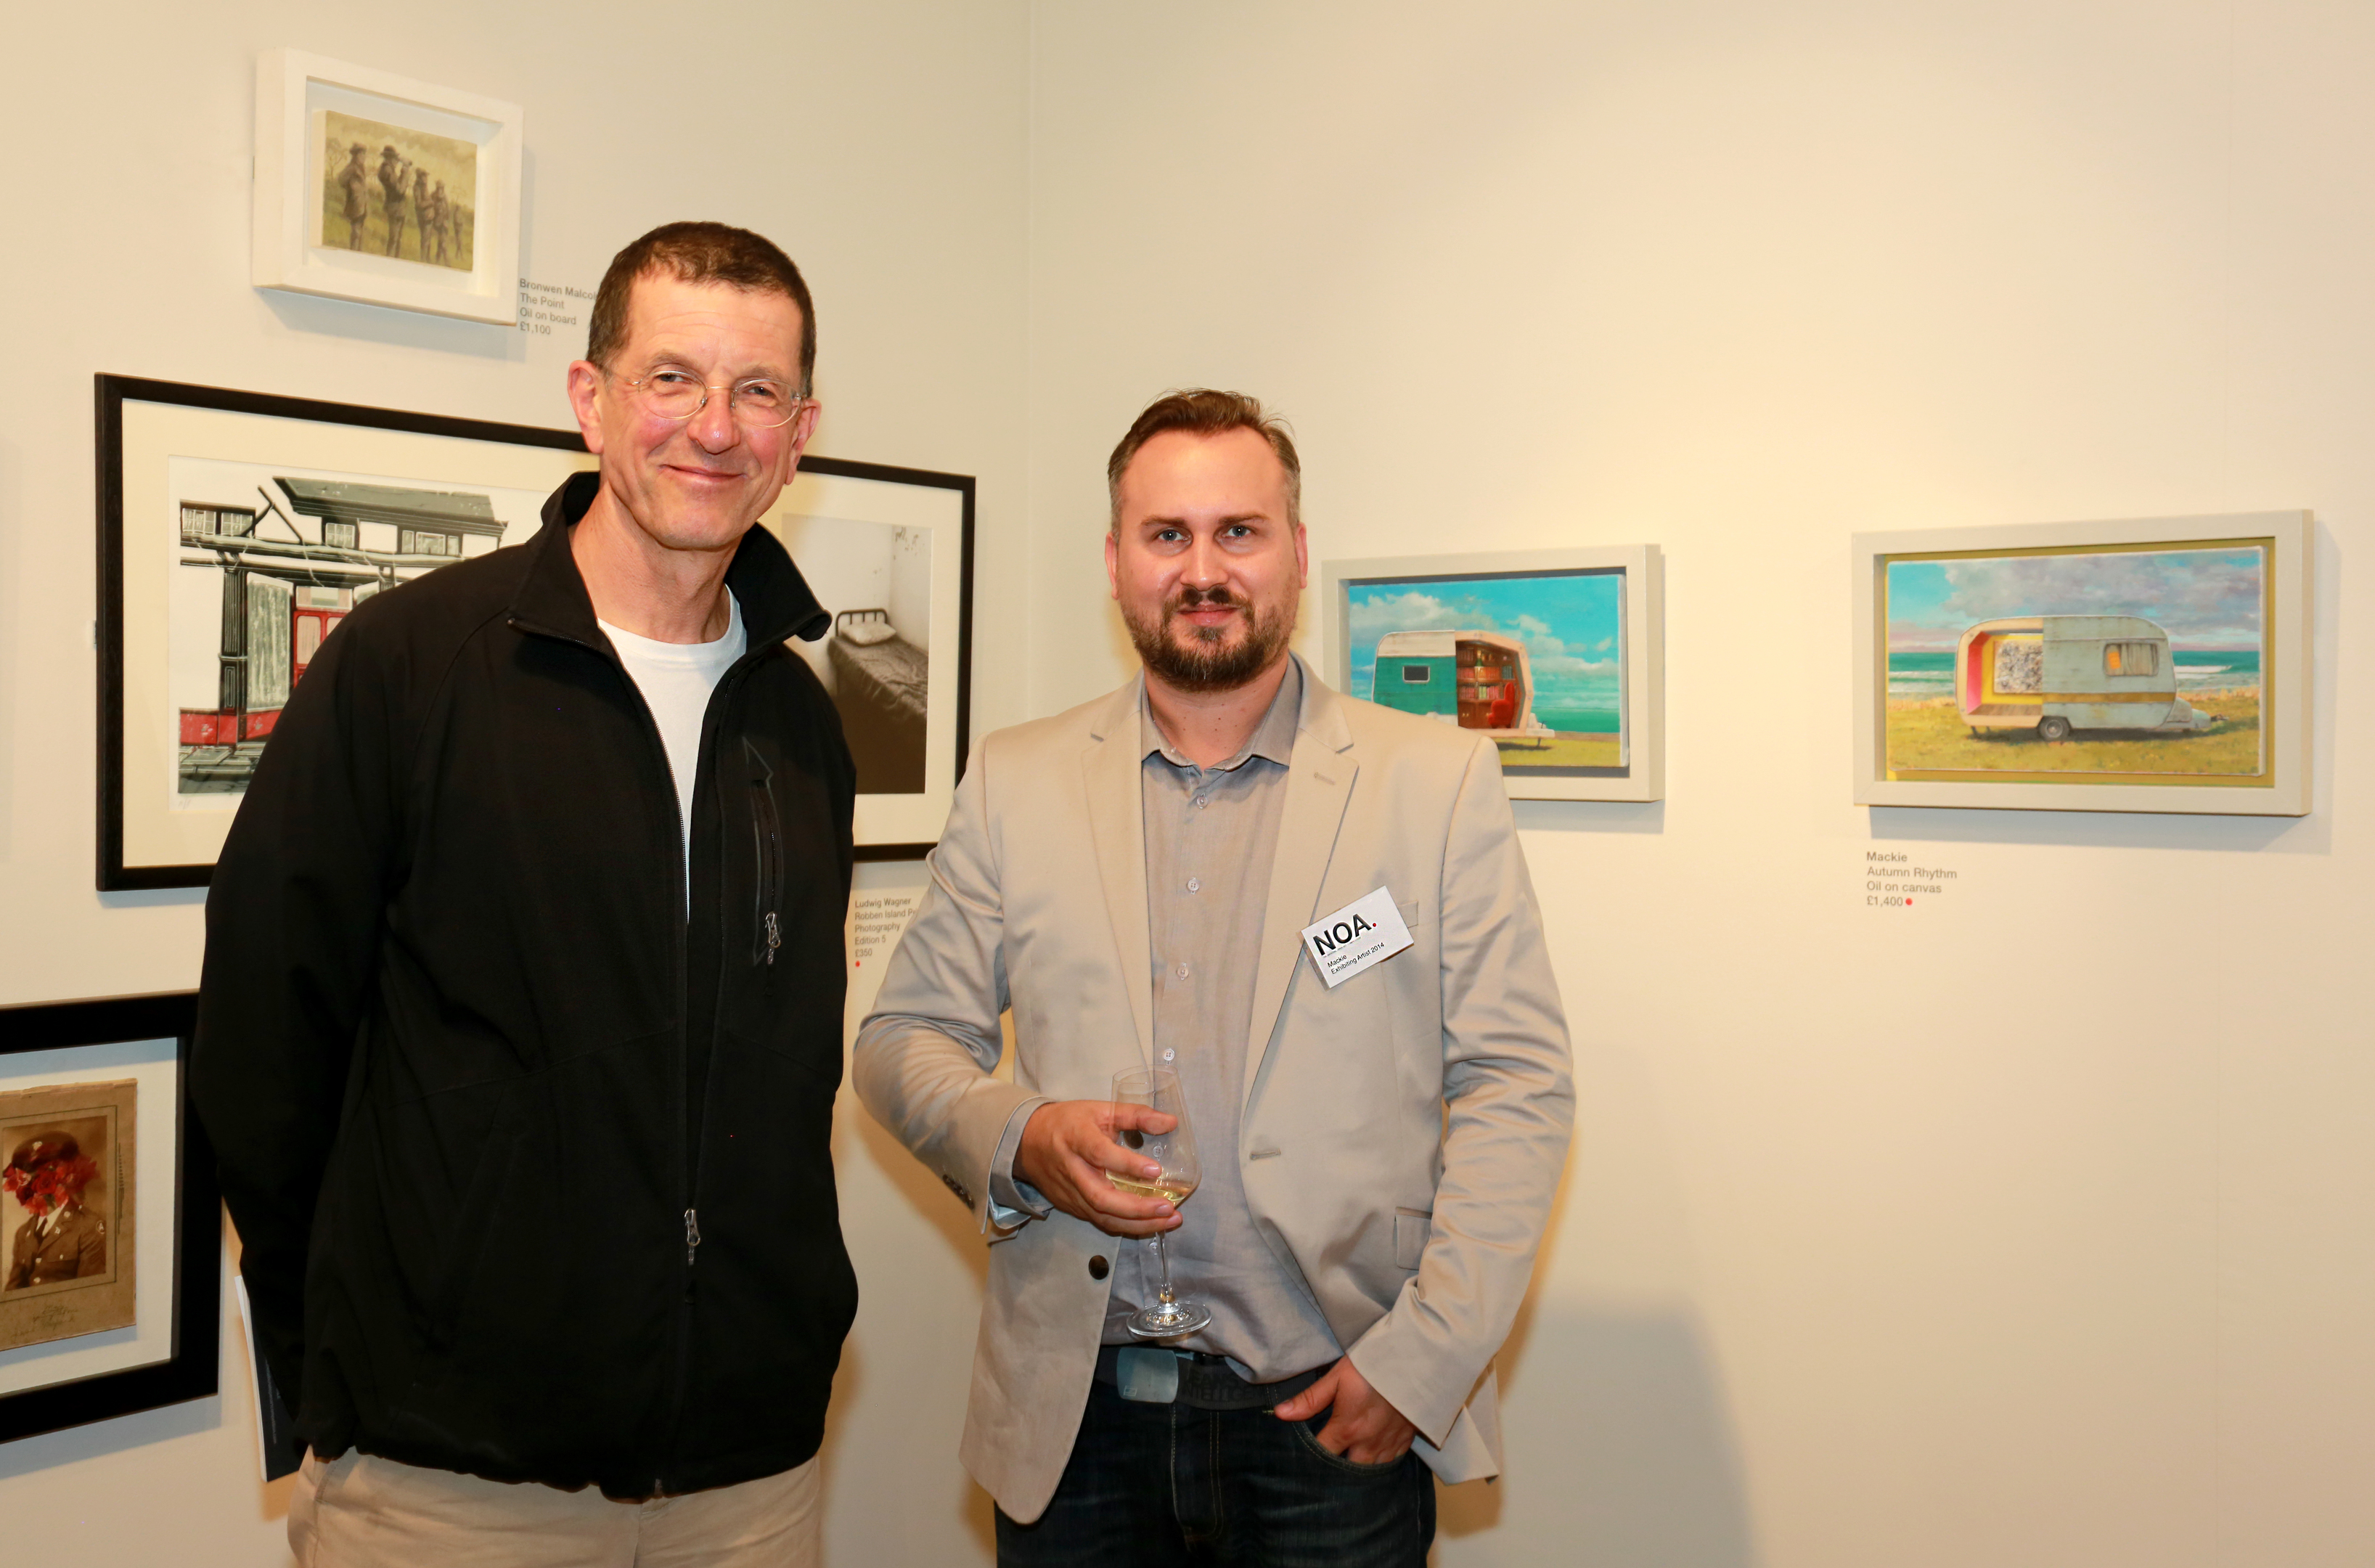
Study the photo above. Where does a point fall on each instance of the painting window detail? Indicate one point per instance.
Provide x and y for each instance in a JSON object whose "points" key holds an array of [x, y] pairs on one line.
{"points": [[2131, 658]]}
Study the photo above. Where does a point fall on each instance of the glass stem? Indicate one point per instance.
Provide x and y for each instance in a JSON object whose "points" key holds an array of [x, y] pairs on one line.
{"points": [[1163, 1260]]}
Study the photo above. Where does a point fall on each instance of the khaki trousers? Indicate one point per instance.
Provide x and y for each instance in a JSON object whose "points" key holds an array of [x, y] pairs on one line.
{"points": [[364, 1512]]}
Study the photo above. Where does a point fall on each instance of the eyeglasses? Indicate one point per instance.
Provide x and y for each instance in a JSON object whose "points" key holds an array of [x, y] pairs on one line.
{"points": [[761, 402]]}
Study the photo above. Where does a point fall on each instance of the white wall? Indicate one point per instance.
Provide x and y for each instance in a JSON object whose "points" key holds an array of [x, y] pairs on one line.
{"points": [[1860, 1262], [894, 175], [1865, 1260]]}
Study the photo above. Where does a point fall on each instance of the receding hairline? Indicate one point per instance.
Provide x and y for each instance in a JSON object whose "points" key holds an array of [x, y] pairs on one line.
{"points": [[1206, 412], [1286, 481]]}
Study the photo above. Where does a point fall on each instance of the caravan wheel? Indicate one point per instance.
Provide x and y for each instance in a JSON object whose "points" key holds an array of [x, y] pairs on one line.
{"points": [[2054, 727]]}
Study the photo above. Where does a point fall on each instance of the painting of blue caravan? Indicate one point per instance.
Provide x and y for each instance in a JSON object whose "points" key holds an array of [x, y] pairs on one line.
{"points": [[1534, 660], [2117, 664]]}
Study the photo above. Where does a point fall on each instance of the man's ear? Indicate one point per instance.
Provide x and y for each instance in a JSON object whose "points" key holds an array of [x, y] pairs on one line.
{"points": [[1112, 562], [584, 386]]}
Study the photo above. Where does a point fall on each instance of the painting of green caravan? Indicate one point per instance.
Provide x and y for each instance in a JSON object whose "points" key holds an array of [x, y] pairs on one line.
{"points": [[2110, 665], [1533, 659], [392, 190]]}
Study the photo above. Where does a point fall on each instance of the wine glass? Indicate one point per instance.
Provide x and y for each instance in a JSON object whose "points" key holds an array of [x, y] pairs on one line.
{"points": [[1158, 1088]]}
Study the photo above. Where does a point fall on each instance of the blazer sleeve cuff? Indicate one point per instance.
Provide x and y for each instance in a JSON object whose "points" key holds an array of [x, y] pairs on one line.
{"points": [[1013, 1201], [1397, 1366]]}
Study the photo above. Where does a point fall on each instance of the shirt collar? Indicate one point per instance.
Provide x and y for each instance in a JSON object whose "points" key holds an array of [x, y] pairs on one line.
{"points": [[1273, 739]]}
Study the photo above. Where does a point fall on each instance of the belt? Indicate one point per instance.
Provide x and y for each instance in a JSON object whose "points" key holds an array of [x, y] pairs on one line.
{"points": [[1208, 1382]]}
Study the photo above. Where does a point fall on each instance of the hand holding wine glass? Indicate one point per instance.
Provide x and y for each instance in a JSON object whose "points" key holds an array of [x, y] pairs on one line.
{"points": [[1071, 1154], [1174, 1150]]}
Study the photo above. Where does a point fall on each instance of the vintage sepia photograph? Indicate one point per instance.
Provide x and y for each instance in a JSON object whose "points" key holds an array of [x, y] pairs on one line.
{"points": [[267, 562], [1551, 654], [66, 1211], [392, 190]]}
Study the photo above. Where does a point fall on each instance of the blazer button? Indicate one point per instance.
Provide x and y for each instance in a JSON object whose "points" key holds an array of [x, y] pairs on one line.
{"points": [[1098, 1268]]}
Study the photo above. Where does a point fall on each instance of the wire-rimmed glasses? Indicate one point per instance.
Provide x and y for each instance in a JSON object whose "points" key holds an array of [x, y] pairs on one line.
{"points": [[756, 402]]}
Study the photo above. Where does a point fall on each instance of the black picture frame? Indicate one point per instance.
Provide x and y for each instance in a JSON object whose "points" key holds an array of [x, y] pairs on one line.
{"points": [[194, 1370], [119, 871]]}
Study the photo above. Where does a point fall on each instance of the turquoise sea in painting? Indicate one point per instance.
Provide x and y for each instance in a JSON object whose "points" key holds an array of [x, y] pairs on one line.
{"points": [[1931, 674]]}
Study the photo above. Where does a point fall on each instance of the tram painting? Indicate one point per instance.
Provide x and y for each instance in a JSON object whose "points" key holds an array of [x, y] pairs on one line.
{"points": [[291, 557]]}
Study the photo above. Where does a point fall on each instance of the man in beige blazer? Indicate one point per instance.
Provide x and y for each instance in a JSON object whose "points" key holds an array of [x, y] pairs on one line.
{"points": [[1133, 879]]}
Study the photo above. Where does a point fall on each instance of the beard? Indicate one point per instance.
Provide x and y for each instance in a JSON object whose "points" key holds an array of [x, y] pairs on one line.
{"points": [[1206, 661]]}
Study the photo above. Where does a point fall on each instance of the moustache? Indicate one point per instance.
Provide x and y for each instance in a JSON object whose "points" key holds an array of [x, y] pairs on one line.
{"points": [[1214, 597]]}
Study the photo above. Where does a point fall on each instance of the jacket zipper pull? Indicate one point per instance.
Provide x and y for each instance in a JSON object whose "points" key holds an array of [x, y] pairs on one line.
{"points": [[692, 1235], [775, 938]]}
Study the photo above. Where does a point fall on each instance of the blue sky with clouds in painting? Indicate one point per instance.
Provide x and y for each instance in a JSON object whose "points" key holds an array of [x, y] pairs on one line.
{"points": [[2202, 598], [1571, 624]]}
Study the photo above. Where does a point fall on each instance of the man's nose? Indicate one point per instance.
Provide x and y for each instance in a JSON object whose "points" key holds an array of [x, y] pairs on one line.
{"points": [[713, 424], [1204, 566]]}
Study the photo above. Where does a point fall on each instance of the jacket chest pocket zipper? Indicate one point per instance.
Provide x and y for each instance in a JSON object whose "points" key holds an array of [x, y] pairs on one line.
{"points": [[767, 936]]}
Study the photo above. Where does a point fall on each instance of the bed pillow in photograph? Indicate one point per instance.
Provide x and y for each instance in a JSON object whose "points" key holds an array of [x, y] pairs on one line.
{"points": [[865, 633]]}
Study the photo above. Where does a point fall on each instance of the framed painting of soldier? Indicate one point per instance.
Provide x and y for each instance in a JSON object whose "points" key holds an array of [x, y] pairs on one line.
{"points": [[111, 1240], [384, 190]]}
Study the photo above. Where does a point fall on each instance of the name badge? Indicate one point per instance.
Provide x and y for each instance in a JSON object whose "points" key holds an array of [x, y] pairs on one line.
{"points": [[1360, 936]]}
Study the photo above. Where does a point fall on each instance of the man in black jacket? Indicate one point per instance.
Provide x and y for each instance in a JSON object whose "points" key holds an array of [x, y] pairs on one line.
{"points": [[522, 1014]]}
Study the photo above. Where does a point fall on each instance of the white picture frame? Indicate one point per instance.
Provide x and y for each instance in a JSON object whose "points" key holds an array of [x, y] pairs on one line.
{"points": [[1627, 630], [470, 138], [2126, 569]]}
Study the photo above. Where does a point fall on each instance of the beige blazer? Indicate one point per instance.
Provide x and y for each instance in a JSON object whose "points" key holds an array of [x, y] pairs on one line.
{"points": [[1401, 1134]]}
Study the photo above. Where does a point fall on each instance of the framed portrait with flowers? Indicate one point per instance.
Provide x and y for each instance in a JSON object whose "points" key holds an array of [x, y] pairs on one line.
{"points": [[111, 1235]]}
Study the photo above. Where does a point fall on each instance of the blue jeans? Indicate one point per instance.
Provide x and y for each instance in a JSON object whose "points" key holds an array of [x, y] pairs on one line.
{"points": [[1166, 1486]]}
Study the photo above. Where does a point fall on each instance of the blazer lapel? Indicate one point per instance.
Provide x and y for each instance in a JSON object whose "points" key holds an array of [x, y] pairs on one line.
{"points": [[1111, 768], [1318, 784]]}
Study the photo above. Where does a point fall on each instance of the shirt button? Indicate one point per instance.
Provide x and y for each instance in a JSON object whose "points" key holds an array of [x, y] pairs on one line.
{"points": [[1200, 800], [1168, 1054], [1183, 972], [1194, 886]]}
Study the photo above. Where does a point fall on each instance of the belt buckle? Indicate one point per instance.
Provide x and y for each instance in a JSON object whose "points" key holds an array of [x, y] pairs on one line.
{"points": [[1147, 1375]]}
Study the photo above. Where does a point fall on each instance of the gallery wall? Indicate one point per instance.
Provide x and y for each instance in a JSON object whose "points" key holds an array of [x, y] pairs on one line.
{"points": [[2025, 1224], [2029, 1225], [882, 146]]}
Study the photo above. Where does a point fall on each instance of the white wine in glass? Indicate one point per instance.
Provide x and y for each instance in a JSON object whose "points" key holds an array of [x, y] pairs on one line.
{"points": [[1158, 1088]]}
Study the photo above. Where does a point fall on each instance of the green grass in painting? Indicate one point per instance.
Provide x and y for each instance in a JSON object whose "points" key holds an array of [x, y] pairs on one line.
{"points": [[1565, 749], [1925, 735]]}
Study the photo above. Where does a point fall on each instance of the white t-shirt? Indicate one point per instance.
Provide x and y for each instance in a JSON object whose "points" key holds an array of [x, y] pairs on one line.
{"points": [[676, 680]]}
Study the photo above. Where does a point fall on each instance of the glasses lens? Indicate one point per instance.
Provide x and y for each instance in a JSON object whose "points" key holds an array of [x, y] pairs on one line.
{"points": [[672, 394], [762, 404]]}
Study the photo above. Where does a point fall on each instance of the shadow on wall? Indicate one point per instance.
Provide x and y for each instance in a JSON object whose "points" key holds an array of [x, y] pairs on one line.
{"points": [[1621, 1452]]}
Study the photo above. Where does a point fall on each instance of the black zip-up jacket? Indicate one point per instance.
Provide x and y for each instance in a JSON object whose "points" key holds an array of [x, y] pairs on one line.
{"points": [[532, 1170]]}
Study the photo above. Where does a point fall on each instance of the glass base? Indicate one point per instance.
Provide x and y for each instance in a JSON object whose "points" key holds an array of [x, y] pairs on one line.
{"points": [[1169, 1320]]}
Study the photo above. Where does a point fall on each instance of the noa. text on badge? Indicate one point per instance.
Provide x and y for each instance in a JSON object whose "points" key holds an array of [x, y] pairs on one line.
{"points": [[1363, 933]]}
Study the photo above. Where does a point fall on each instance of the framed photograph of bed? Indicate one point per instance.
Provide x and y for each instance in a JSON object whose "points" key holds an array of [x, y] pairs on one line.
{"points": [[889, 552], [110, 1229]]}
